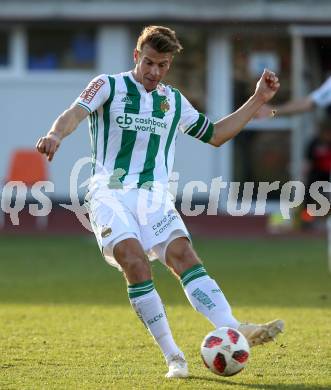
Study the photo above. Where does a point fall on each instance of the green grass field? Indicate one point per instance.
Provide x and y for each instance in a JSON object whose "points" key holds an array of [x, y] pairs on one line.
{"points": [[65, 321]]}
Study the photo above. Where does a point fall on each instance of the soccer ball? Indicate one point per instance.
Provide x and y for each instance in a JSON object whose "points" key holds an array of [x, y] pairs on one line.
{"points": [[225, 351]]}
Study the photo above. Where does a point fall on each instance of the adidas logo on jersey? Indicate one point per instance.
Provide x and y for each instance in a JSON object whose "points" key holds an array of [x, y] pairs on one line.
{"points": [[127, 100]]}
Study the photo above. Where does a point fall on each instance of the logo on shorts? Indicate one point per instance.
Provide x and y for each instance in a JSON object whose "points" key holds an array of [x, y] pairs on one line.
{"points": [[165, 222], [106, 231]]}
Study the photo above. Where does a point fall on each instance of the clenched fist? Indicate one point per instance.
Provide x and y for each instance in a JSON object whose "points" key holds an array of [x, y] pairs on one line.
{"points": [[48, 145], [267, 86]]}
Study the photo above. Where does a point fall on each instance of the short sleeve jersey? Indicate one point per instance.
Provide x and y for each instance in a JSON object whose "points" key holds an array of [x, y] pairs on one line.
{"points": [[133, 132], [322, 95]]}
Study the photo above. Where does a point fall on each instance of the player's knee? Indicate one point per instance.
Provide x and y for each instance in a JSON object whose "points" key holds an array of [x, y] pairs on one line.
{"points": [[133, 263], [180, 250], [180, 256], [137, 270]]}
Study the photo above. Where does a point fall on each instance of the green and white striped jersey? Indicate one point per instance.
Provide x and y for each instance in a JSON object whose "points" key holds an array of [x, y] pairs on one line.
{"points": [[133, 132]]}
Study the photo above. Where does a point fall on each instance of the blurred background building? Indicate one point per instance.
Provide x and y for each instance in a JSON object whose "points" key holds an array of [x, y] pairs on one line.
{"points": [[49, 50]]}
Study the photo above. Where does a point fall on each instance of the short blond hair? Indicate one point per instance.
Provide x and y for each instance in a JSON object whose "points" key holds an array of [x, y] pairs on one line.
{"points": [[162, 39]]}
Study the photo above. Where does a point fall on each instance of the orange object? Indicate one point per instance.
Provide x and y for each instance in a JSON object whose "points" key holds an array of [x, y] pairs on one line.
{"points": [[28, 166], [305, 216]]}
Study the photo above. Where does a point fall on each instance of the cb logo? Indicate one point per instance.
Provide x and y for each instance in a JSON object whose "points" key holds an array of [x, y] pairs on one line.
{"points": [[124, 122]]}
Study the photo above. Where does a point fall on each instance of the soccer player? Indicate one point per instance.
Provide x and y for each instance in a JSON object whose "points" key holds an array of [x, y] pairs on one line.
{"points": [[134, 120]]}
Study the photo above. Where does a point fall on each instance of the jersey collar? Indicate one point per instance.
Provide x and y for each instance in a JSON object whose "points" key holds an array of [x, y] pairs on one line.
{"points": [[140, 85]]}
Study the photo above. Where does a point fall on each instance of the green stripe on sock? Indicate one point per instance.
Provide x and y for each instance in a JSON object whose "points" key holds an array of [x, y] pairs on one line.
{"points": [[197, 271], [138, 289], [146, 283], [139, 293], [188, 271], [195, 276]]}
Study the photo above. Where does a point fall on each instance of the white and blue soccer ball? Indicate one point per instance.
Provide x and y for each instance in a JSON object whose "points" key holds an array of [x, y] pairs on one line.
{"points": [[225, 351]]}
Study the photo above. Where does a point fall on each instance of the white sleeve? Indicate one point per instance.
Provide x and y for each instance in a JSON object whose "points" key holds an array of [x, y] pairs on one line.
{"points": [[193, 123], [95, 94], [322, 95]]}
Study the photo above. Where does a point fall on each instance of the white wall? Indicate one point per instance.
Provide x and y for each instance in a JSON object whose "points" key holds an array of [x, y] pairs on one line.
{"points": [[28, 108]]}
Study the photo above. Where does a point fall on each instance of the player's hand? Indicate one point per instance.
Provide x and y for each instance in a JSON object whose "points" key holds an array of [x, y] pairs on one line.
{"points": [[267, 86], [48, 145], [266, 111]]}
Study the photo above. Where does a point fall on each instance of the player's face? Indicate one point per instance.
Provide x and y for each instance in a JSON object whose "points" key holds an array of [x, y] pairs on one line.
{"points": [[151, 66]]}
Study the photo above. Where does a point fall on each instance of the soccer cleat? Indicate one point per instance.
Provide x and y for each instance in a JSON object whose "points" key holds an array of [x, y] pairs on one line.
{"points": [[261, 333], [177, 367]]}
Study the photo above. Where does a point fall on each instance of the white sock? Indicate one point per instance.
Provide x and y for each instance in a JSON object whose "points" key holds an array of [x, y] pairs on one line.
{"points": [[207, 298], [148, 305]]}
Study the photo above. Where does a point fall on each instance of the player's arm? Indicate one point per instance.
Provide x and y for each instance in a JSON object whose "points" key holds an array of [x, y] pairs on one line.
{"points": [[296, 106], [93, 96], [64, 125], [229, 126]]}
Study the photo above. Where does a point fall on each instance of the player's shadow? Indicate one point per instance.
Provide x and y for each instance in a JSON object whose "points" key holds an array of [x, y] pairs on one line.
{"points": [[261, 386]]}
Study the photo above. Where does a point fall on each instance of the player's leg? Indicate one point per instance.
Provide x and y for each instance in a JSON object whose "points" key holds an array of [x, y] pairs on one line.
{"points": [[118, 236], [205, 295], [166, 233], [203, 292], [145, 300]]}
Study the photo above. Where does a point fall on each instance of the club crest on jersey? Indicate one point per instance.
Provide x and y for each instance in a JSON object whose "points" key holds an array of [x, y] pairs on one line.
{"points": [[106, 231], [164, 105]]}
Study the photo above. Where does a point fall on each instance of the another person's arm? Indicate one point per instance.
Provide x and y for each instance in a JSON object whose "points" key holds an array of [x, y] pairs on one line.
{"points": [[320, 97], [296, 106]]}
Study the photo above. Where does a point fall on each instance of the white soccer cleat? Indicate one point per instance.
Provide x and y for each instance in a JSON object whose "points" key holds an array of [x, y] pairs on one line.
{"points": [[257, 334], [177, 367]]}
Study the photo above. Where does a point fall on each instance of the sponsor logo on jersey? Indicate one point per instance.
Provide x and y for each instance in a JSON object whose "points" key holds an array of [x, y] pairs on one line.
{"points": [[88, 94], [127, 100], [137, 123]]}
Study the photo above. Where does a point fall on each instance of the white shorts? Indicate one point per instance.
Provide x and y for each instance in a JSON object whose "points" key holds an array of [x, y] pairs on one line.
{"points": [[148, 216]]}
